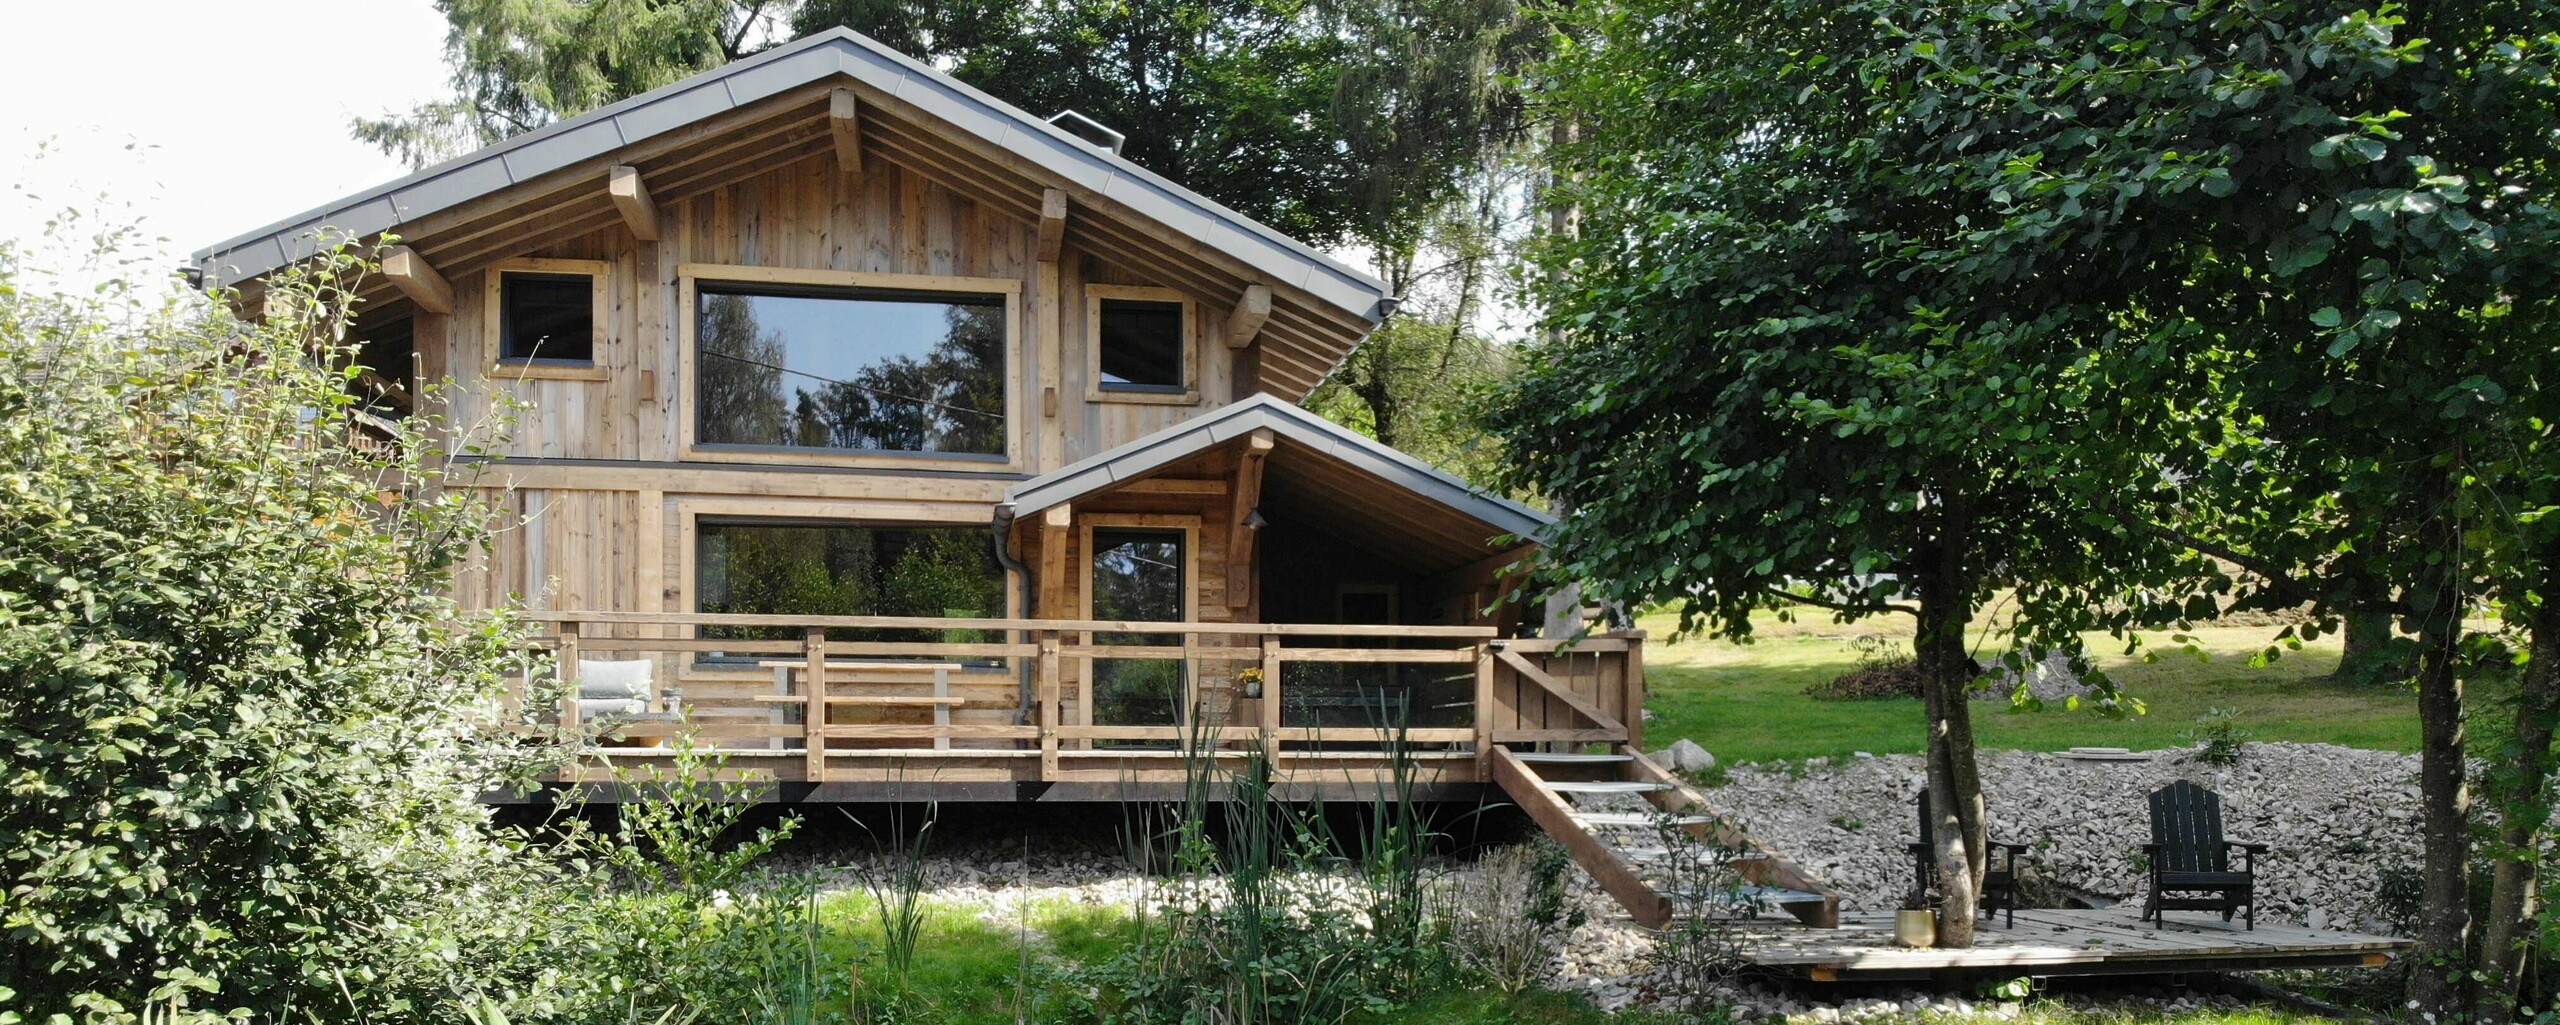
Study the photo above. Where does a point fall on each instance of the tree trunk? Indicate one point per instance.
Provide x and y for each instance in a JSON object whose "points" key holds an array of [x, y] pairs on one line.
{"points": [[2524, 806], [1955, 784], [2367, 634], [2436, 986]]}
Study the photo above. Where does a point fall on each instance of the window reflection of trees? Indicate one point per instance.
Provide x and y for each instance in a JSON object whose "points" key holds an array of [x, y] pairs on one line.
{"points": [[1137, 576], [802, 569], [946, 395]]}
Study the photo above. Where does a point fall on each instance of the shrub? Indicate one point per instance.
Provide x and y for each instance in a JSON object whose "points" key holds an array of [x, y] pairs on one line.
{"points": [[234, 729], [1884, 670], [2218, 736], [1511, 945]]}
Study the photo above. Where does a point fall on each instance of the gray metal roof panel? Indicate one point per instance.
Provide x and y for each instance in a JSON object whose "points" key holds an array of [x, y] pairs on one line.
{"points": [[837, 51], [1148, 454]]}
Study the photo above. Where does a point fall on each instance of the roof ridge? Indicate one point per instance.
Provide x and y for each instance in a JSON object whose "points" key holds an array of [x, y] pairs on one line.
{"points": [[514, 160]]}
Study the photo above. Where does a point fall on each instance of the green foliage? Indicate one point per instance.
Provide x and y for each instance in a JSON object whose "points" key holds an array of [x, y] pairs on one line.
{"points": [[2218, 737], [234, 732], [1883, 669], [1254, 925]]}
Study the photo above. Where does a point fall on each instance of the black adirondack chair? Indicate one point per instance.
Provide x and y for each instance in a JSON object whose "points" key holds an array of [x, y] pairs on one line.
{"points": [[2191, 862], [1999, 883]]}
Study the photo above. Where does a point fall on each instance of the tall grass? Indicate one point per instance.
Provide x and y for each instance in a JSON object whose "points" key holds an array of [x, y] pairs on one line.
{"points": [[1255, 918], [896, 877]]}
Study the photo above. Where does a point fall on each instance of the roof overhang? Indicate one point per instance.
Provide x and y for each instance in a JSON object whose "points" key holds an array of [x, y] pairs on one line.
{"points": [[769, 109], [1333, 472]]}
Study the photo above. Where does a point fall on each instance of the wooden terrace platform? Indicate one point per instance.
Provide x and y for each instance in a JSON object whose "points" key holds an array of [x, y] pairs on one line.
{"points": [[2105, 941]]}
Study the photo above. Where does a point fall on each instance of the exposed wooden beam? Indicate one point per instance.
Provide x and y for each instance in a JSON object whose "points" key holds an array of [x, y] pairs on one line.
{"points": [[1053, 566], [1244, 322], [1053, 222], [409, 272], [1240, 536], [844, 119], [631, 196]]}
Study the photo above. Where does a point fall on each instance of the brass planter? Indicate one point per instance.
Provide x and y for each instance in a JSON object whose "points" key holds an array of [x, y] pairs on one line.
{"points": [[1915, 928]]}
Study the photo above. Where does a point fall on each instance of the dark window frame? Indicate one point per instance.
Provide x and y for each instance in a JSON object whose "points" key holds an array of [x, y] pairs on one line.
{"points": [[1099, 300], [504, 344]]}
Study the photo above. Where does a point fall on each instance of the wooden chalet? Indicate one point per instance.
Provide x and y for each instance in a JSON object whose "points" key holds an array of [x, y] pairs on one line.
{"points": [[900, 444]]}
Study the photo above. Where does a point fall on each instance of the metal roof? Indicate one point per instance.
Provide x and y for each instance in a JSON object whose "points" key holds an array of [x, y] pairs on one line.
{"points": [[838, 51], [1286, 422]]}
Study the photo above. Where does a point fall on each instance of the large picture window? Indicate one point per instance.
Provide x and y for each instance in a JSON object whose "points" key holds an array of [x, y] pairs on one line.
{"points": [[849, 369], [824, 568]]}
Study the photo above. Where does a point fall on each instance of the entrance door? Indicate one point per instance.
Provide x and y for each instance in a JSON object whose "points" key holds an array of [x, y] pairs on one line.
{"points": [[1138, 574]]}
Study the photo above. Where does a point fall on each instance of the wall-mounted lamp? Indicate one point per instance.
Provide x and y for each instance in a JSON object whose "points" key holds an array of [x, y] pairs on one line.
{"points": [[1253, 519]]}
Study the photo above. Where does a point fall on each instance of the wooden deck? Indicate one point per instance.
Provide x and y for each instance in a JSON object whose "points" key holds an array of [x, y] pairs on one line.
{"points": [[2109, 941], [863, 708]]}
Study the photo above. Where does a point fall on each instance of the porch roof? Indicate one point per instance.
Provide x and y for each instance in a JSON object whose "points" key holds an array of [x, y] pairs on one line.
{"points": [[1320, 470]]}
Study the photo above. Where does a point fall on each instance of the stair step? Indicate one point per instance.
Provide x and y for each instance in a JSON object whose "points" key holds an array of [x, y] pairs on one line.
{"points": [[1622, 818], [1764, 894], [1546, 758], [1606, 787], [1656, 855]]}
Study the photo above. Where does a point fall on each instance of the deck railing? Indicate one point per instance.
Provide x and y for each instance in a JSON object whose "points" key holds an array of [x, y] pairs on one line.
{"points": [[824, 698]]}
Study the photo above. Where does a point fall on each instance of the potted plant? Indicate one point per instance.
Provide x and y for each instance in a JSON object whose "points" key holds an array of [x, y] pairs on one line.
{"points": [[1916, 925], [1249, 682]]}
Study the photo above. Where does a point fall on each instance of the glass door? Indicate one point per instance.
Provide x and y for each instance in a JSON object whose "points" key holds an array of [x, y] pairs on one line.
{"points": [[1138, 575]]}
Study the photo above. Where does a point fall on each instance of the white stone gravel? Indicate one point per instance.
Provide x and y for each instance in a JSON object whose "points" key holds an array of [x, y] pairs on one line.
{"points": [[2335, 817]]}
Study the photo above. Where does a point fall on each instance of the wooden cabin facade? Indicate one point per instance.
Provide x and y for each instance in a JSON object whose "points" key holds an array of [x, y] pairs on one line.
{"points": [[895, 437]]}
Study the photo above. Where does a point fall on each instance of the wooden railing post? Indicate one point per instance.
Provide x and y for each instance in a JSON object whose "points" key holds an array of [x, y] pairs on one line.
{"points": [[1634, 684], [567, 673], [1271, 700], [1048, 705], [1484, 710], [814, 720]]}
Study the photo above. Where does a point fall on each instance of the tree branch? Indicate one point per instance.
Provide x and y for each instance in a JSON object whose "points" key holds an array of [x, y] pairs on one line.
{"points": [[2283, 583], [1834, 606]]}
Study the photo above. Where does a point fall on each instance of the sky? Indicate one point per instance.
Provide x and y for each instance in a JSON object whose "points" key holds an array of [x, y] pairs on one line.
{"points": [[202, 121]]}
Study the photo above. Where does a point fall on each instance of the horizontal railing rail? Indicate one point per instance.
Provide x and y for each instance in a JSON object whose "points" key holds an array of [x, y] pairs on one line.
{"points": [[1296, 692]]}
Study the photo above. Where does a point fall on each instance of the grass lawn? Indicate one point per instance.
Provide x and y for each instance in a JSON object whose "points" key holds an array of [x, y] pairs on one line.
{"points": [[1746, 702], [968, 971]]}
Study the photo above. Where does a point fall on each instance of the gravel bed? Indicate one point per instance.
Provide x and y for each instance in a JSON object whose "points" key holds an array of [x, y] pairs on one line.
{"points": [[2338, 819]]}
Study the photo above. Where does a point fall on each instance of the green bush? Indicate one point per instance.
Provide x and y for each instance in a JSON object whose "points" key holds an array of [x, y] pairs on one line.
{"points": [[233, 709]]}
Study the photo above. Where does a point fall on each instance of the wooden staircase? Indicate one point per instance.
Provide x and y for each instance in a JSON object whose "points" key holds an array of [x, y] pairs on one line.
{"points": [[1588, 803]]}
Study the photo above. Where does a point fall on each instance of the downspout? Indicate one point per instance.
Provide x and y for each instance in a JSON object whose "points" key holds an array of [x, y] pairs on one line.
{"points": [[1003, 540]]}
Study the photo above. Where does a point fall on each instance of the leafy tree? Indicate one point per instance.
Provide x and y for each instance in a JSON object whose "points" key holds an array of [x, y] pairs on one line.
{"points": [[233, 725], [1411, 384], [1791, 376], [1330, 121], [2312, 232]]}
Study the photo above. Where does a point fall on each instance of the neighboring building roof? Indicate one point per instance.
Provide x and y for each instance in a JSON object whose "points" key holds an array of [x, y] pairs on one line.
{"points": [[1286, 422], [812, 59]]}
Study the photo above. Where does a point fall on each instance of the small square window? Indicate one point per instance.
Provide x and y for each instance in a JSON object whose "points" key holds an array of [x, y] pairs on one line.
{"points": [[546, 318], [1141, 342]]}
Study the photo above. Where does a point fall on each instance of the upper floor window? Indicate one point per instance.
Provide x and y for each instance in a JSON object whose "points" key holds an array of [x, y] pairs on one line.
{"points": [[1141, 345], [546, 318], [850, 369]]}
